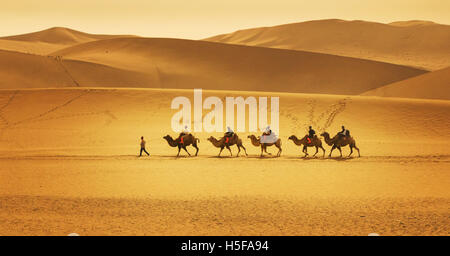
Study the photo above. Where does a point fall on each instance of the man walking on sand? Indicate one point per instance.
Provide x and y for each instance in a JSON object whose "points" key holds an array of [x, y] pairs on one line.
{"points": [[143, 147]]}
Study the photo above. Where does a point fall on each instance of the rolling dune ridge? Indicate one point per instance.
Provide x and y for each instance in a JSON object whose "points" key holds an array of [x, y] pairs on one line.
{"points": [[49, 40], [412, 43], [183, 64], [433, 85]]}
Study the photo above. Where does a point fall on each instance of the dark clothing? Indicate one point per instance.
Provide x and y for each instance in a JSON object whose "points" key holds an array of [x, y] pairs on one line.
{"points": [[267, 133], [143, 150], [182, 134], [344, 133], [229, 134], [311, 133]]}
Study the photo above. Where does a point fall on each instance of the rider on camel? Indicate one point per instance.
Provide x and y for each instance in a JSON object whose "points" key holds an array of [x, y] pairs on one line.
{"points": [[184, 132], [311, 132], [267, 131], [229, 134], [344, 133]]}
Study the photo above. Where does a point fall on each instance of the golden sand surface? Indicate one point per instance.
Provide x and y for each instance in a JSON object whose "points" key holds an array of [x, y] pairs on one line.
{"points": [[68, 164]]}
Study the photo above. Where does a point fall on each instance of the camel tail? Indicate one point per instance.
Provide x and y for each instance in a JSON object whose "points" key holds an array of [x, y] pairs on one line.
{"points": [[197, 139]]}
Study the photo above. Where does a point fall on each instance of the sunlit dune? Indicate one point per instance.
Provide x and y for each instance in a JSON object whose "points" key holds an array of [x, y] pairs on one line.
{"points": [[49, 40], [19, 70], [176, 63], [433, 85], [412, 43]]}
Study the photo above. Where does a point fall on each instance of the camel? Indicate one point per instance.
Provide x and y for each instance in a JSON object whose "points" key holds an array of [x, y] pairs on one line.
{"points": [[257, 143], [307, 142], [223, 142], [182, 142], [338, 142]]}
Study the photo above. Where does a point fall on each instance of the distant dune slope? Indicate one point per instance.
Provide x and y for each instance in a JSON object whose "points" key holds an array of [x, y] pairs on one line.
{"points": [[433, 85], [176, 63], [49, 40], [19, 70], [38, 48], [413, 43]]}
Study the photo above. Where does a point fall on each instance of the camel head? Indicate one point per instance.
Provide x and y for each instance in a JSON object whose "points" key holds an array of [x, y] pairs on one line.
{"points": [[325, 134], [211, 138], [292, 137], [167, 137], [253, 137]]}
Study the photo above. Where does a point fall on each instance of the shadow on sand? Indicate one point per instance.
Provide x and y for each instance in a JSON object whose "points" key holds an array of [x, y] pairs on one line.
{"points": [[308, 158]]}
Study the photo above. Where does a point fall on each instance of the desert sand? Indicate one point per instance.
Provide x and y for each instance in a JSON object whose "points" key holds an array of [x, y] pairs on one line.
{"points": [[49, 40], [74, 105], [69, 164], [176, 63], [413, 43], [433, 85], [20, 70]]}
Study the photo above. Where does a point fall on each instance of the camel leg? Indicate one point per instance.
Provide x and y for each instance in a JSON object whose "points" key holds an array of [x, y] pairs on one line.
{"points": [[351, 151], [305, 150], [196, 152], [184, 147], [239, 150], [317, 150], [179, 148], [359, 155], [331, 151], [265, 150], [229, 149], [340, 151], [220, 151], [262, 150], [245, 150], [279, 150]]}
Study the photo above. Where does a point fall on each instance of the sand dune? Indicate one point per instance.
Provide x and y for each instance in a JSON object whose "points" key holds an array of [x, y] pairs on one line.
{"points": [[433, 85], [68, 164], [108, 121], [38, 48], [49, 40], [413, 43], [60, 35], [176, 63], [410, 23], [19, 70]]}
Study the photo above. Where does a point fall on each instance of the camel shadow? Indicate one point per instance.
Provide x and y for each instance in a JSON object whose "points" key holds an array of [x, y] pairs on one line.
{"points": [[309, 158], [224, 157], [338, 158], [263, 157], [176, 157]]}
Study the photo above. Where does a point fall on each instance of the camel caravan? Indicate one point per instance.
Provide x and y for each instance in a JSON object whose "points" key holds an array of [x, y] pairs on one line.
{"points": [[267, 139]]}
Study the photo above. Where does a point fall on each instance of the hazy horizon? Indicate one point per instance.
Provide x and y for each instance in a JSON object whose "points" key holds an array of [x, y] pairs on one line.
{"points": [[200, 19]]}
